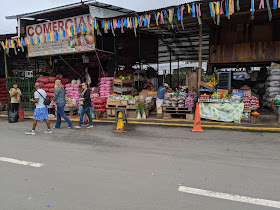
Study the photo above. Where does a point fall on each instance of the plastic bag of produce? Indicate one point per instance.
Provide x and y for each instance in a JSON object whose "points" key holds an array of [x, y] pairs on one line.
{"points": [[12, 116]]}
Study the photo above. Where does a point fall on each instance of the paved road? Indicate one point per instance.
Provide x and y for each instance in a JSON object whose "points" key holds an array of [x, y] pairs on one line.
{"points": [[141, 169]]}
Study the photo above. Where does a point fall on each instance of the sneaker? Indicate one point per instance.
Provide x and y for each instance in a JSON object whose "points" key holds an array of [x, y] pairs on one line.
{"points": [[30, 132], [48, 131]]}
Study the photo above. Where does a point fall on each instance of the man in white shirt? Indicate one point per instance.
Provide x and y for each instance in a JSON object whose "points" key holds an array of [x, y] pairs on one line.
{"points": [[41, 111]]}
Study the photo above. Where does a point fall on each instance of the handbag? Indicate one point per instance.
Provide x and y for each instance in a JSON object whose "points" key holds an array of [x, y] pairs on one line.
{"points": [[47, 101]]}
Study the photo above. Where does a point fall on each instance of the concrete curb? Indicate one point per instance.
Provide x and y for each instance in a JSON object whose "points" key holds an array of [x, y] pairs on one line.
{"points": [[223, 127]]}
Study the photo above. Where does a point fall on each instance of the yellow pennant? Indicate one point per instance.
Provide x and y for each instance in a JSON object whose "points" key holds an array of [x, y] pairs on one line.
{"points": [[6, 43], [92, 26], [69, 32], [158, 14], [135, 22], [75, 32], [51, 36], [189, 9], [170, 15], [217, 8], [278, 3], [41, 38], [229, 7], [213, 8], [148, 23], [60, 33], [128, 23], [35, 39], [3, 45], [19, 42]]}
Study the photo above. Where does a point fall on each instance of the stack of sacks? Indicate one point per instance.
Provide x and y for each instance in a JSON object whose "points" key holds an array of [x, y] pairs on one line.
{"points": [[3, 92], [250, 102], [106, 86], [99, 104], [72, 91], [272, 85], [47, 84]]}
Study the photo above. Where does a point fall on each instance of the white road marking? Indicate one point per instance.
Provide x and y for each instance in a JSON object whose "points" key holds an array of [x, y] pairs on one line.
{"points": [[244, 199], [21, 162]]}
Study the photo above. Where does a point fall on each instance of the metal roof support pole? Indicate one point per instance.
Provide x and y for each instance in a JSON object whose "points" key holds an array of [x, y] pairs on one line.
{"points": [[200, 57], [170, 58], [6, 66], [178, 72]]}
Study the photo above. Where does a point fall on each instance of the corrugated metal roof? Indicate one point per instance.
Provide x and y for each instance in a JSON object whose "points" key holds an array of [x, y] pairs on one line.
{"points": [[93, 3]]}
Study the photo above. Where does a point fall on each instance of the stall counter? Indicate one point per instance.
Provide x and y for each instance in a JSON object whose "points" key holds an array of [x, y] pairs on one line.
{"points": [[226, 112]]}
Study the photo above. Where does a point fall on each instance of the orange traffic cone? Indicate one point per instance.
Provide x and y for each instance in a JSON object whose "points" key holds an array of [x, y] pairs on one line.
{"points": [[197, 120]]}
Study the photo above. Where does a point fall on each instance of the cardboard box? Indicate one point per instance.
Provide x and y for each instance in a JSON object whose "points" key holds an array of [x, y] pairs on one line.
{"points": [[189, 117], [113, 102], [124, 102], [159, 110], [222, 90]]}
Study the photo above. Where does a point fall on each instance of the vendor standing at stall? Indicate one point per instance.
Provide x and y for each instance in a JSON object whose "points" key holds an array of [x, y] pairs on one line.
{"points": [[160, 94], [15, 94], [149, 85]]}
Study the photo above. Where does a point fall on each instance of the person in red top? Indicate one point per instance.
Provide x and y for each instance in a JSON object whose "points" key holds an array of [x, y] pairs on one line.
{"points": [[149, 85]]}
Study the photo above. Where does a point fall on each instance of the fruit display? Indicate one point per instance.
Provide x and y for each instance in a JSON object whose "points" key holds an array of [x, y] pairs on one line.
{"points": [[124, 78], [216, 95], [212, 81], [204, 97]]}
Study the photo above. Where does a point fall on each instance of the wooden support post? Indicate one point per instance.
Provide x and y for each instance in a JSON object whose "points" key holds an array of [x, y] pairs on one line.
{"points": [[6, 66], [178, 72], [170, 81], [200, 57]]}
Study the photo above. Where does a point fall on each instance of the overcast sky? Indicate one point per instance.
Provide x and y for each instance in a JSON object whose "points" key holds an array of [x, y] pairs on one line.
{"points": [[13, 7]]}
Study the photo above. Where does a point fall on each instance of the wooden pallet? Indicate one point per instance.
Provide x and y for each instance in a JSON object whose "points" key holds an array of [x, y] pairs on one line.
{"points": [[177, 110], [119, 106], [71, 112]]}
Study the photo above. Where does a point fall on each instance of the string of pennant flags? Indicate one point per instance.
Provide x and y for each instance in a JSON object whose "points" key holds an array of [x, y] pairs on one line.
{"points": [[217, 8]]}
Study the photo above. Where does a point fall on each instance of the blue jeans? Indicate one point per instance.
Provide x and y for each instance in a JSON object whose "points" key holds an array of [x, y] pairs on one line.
{"points": [[87, 112], [60, 113]]}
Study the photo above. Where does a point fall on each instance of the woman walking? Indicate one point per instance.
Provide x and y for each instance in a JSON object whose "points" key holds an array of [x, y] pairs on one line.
{"points": [[59, 99], [86, 104]]}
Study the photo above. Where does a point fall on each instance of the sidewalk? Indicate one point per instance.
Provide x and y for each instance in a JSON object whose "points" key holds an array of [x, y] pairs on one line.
{"points": [[179, 123]]}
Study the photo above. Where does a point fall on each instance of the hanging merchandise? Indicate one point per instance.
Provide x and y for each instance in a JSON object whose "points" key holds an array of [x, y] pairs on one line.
{"points": [[182, 16], [198, 16], [252, 6], [274, 4], [261, 4], [269, 10]]}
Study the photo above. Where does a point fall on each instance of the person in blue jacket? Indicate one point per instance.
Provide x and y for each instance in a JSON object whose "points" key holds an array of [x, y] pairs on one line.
{"points": [[160, 94]]}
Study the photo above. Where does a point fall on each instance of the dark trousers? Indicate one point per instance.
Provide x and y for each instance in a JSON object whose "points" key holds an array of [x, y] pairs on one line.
{"points": [[14, 107]]}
